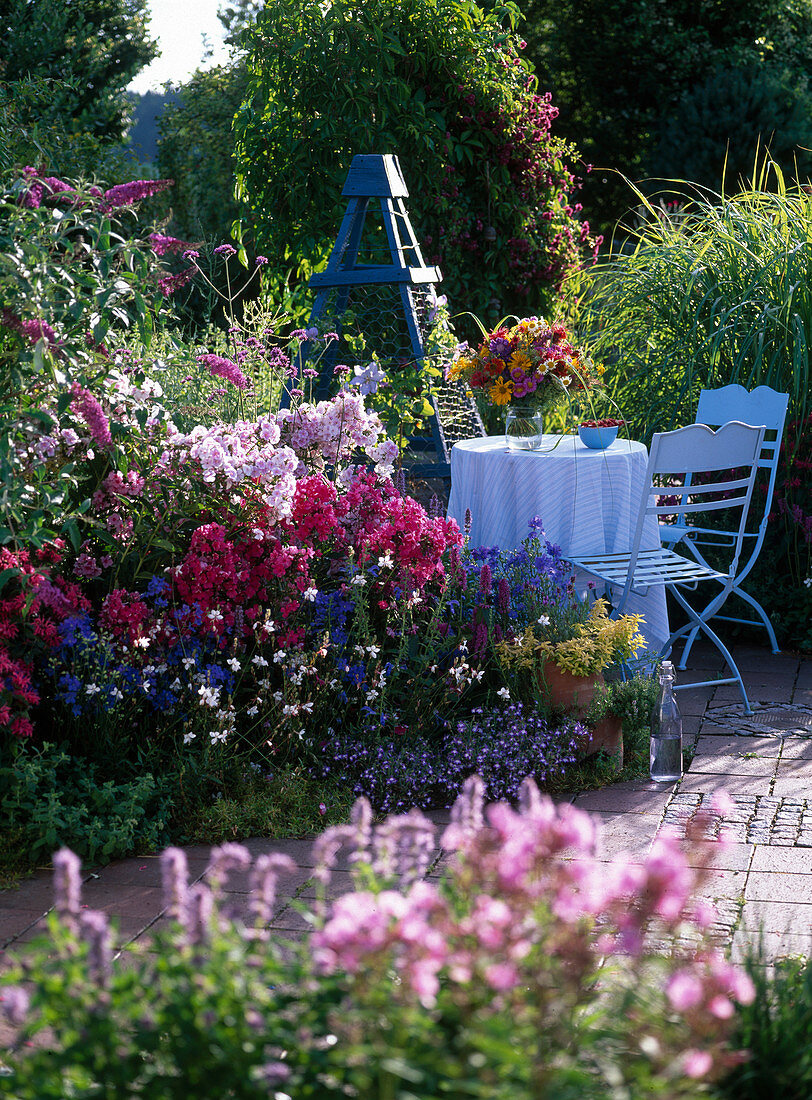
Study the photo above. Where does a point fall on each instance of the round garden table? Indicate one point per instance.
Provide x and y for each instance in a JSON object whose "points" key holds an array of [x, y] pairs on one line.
{"points": [[588, 502]]}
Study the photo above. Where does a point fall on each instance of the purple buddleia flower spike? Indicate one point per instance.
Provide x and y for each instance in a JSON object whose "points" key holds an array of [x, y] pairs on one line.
{"points": [[67, 886], [175, 881], [530, 801], [469, 519], [95, 931], [264, 877], [415, 847], [485, 578], [400, 482], [327, 846], [503, 595], [435, 508]]}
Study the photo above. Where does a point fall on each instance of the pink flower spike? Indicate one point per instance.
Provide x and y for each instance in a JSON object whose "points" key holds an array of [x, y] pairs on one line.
{"points": [[224, 368]]}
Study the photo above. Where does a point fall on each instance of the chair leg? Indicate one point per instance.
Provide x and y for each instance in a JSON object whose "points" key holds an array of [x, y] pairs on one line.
{"points": [[759, 610], [699, 623]]}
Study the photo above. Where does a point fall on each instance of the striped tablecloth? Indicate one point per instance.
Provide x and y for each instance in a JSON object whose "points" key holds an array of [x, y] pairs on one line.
{"points": [[588, 502]]}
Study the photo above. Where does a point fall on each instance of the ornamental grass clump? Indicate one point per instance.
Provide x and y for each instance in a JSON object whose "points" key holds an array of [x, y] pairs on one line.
{"points": [[525, 969], [716, 294]]}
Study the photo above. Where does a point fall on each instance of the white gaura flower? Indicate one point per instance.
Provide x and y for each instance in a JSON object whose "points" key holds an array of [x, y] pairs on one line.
{"points": [[234, 664], [503, 693], [359, 579], [190, 736], [310, 594], [543, 620]]}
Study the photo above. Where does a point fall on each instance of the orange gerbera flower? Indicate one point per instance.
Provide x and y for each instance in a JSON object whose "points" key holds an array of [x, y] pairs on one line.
{"points": [[501, 392]]}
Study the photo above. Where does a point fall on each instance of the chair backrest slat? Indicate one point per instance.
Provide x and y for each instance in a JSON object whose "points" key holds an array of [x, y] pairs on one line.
{"points": [[679, 455]]}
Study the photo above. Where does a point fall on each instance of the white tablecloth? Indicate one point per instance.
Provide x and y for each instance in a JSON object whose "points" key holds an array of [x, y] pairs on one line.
{"points": [[588, 502]]}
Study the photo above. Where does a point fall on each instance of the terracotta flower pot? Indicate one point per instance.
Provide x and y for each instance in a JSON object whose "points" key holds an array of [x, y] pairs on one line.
{"points": [[607, 735], [575, 694], [567, 692]]}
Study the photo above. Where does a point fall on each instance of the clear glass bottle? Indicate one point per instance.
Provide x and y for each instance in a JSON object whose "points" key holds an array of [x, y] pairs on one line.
{"points": [[665, 753]]}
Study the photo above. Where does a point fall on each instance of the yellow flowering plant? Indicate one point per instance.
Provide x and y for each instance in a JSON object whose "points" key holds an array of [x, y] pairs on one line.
{"points": [[583, 641], [532, 363]]}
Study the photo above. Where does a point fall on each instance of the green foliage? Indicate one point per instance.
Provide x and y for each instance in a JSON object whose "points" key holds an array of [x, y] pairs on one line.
{"points": [[718, 123], [196, 149], [439, 83], [776, 1030], [50, 799], [285, 802], [619, 70], [30, 133], [73, 271], [101, 44], [718, 294]]}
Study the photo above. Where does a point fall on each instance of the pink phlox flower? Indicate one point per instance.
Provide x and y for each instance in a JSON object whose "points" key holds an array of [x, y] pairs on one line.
{"points": [[574, 829], [502, 976], [14, 1004], [696, 1063], [684, 990]]}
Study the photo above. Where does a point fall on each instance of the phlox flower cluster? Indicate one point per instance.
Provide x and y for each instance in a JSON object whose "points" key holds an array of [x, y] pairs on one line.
{"points": [[245, 455], [32, 605], [527, 912], [329, 433]]}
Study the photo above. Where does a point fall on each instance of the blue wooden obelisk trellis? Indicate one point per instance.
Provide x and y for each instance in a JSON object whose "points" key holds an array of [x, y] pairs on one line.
{"points": [[376, 275]]}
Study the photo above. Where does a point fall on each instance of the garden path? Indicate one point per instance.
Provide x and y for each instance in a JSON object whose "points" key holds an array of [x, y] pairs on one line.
{"points": [[763, 879]]}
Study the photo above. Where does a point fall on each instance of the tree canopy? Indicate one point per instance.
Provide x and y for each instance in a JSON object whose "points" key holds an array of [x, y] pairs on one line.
{"points": [[442, 85], [98, 45], [630, 76]]}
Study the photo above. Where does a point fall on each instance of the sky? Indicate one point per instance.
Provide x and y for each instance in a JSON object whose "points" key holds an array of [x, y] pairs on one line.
{"points": [[179, 26]]}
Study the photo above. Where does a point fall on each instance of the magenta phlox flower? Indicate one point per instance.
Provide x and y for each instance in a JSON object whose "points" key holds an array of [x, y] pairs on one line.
{"points": [[126, 194], [224, 368]]}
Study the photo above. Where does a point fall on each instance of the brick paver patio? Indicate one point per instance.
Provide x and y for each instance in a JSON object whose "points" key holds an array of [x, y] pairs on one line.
{"points": [[762, 881]]}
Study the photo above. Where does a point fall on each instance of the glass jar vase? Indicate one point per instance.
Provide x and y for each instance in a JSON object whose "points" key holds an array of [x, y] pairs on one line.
{"points": [[524, 427]]}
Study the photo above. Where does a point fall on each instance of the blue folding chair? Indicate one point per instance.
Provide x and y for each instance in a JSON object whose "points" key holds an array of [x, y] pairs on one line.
{"points": [[676, 458], [716, 407]]}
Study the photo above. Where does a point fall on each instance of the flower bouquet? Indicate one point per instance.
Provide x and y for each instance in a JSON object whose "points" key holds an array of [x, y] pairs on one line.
{"points": [[532, 364]]}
